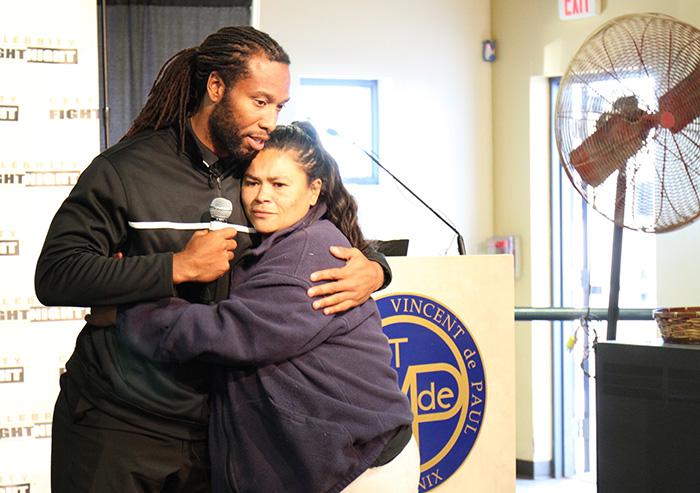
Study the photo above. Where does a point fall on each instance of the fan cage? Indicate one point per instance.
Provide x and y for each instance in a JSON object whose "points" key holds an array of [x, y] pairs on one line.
{"points": [[627, 122]]}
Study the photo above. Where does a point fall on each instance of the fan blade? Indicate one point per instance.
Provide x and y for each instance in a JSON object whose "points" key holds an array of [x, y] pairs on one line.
{"points": [[681, 104], [609, 147]]}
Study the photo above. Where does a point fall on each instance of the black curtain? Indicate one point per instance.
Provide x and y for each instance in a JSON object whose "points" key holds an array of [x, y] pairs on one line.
{"points": [[140, 36]]}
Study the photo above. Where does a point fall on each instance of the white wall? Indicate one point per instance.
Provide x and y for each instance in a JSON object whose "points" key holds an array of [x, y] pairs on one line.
{"points": [[435, 105]]}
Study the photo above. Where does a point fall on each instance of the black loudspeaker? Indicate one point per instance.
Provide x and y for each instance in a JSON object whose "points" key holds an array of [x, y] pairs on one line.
{"points": [[648, 418]]}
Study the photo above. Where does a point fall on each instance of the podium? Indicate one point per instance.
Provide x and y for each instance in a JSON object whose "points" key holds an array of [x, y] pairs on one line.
{"points": [[450, 325]]}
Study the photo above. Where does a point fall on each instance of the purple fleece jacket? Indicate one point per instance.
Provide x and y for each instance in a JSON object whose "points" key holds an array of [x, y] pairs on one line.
{"points": [[301, 401]]}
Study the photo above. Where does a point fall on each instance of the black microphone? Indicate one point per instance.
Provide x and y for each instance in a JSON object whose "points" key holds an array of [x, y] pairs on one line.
{"points": [[220, 210], [460, 241]]}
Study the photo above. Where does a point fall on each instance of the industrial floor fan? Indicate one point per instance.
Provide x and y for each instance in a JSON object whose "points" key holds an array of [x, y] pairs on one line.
{"points": [[627, 127]]}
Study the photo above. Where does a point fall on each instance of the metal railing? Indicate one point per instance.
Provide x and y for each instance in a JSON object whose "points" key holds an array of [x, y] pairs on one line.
{"points": [[527, 314]]}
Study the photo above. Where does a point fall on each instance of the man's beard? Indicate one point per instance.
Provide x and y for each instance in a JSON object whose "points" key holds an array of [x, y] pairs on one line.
{"points": [[226, 133]]}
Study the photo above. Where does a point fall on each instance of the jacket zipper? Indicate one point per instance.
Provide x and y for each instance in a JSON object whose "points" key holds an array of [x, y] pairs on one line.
{"points": [[214, 177]]}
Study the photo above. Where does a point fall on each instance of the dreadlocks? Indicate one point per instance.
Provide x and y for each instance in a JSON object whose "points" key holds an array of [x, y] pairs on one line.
{"points": [[181, 82]]}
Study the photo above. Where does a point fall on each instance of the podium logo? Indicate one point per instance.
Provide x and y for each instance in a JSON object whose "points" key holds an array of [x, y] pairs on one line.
{"points": [[440, 369]]}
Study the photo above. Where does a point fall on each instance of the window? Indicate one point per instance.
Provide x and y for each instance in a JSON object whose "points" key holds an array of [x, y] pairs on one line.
{"points": [[582, 241], [344, 112]]}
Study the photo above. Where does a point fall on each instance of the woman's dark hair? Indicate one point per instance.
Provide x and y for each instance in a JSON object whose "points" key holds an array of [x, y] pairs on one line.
{"points": [[181, 82], [302, 138]]}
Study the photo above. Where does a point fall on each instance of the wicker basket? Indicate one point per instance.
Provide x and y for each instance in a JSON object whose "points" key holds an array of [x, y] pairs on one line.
{"points": [[679, 324]]}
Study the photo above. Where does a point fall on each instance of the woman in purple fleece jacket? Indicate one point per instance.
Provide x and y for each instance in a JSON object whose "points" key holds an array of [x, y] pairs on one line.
{"points": [[301, 401]]}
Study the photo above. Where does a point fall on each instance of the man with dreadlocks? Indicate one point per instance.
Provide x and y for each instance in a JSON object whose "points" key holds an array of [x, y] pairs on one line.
{"points": [[121, 422]]}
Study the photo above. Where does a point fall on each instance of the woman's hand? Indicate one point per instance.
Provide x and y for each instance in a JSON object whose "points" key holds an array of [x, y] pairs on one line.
{"points": [[348, 286]]}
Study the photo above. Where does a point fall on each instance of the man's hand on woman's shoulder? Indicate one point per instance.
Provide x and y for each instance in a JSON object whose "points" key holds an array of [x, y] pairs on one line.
{"points": [[347, 286]]}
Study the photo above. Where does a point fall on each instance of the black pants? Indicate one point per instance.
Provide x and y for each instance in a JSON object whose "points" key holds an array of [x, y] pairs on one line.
{"points": [[89, 454]]}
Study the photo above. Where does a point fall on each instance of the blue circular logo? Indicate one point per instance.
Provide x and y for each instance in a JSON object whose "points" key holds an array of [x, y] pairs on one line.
{"points": [[440, 369]]}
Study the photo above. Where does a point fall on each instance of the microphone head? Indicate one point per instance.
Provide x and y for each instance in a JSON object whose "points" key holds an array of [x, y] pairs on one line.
{"points": [[220, 209]]}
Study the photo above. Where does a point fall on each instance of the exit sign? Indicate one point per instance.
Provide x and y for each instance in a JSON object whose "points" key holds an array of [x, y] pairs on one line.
{"points": [[577, 9]]}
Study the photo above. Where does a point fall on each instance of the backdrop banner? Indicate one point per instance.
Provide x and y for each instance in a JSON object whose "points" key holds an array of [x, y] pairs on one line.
{"points": [[49, 132]]}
